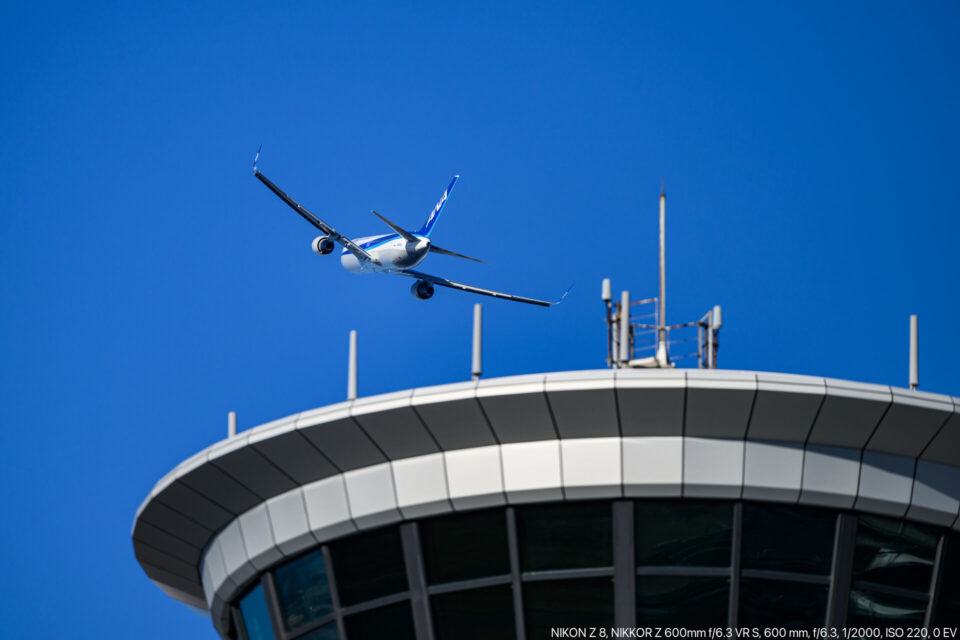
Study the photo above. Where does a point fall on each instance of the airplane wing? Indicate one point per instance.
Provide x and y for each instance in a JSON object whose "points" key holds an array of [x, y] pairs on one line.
{"points": [[443, 282], [346, 242]]}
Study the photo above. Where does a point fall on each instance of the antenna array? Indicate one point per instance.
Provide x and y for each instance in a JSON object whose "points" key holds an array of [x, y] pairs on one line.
{"points": [[642, 338]]}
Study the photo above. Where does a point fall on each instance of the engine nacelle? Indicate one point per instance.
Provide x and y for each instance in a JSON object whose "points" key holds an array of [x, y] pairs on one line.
{"points": [[322, 245], [421, 290]]}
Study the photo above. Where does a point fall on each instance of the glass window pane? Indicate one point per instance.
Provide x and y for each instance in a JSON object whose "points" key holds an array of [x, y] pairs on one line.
{"points": [[326, 632], [691, 602], [894, 553], [369, 566], [687, 533], [464, 546], [868, 608], [778, 603], [394, 621], [256, 618], [565, 536], [303, 590], [948, 607], [477, 613], [567, 603], [947, 614], [787, 538]]}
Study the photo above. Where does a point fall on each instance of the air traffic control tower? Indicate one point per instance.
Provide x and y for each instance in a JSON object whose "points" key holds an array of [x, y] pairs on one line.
{"points": [[637, 496]]}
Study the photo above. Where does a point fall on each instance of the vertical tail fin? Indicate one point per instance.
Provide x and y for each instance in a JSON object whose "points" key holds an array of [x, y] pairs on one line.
{"points": [[432, 218]]}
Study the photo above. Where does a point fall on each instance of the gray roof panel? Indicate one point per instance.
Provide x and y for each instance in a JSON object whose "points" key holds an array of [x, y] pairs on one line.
{"points": [[162, 516], [583, 403], [398, 432], [945, 445], [912, 421], [719, 403], [457, 424], [394, 425], [517, 408], [519, 418], [195, 506], [344, 443], [650, 402], [585, 414], [155, 538], [210, 481], [850, 413], [785, 407], [270, 429], [259, 474], [148, 555], [178, 582], [453, 415], [296, 455]]}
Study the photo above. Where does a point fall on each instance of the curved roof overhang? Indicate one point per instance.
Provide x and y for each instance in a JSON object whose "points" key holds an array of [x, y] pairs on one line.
{"points": [[243, 504]]}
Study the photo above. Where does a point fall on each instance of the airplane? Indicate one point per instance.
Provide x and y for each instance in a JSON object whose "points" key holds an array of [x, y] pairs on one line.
{"points": [[393, 253]]}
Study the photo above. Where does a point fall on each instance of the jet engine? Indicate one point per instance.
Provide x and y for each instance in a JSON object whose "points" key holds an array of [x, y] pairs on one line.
{"points": [[421, 290], [322, 245]]}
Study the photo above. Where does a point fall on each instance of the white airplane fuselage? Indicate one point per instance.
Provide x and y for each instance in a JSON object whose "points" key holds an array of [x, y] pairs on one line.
{"points": [[389, 252]]}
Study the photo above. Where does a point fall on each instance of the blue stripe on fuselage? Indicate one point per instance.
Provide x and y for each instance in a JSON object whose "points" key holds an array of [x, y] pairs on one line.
{"points": [[379, 241]]}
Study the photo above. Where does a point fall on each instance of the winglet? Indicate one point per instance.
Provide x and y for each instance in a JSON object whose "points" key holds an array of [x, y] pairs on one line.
{"points": [[255, 158], [564, 296]]}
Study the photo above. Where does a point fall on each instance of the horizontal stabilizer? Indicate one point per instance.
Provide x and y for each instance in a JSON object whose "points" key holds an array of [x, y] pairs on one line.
{"points": [[446, 252], [406, 235]]}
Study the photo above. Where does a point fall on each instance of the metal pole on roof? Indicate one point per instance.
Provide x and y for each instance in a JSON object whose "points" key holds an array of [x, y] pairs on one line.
{"points": [[624, 328], [352, 368], [661, 354], [716, 321], [607, 296], [231, 424], [700, 338], [914, 352], [710, 334], [476, 370]]}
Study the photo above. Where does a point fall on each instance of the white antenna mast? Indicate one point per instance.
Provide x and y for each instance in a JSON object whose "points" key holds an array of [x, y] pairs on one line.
{"points": [[476, 368], [352, 368], [663, 357], [914, 352]]}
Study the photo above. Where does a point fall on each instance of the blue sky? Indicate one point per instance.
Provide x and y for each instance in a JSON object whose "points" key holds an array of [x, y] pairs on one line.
{"points": [[150, 283]]}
